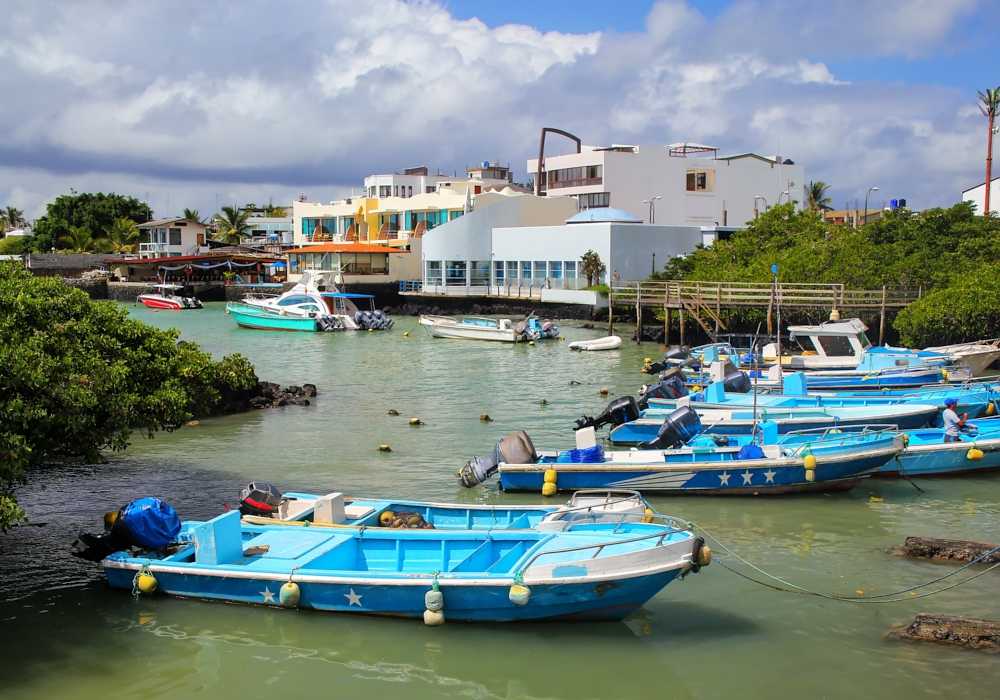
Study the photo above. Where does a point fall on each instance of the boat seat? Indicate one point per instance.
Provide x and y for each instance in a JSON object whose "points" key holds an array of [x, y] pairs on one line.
{"points": [[219, 541]]}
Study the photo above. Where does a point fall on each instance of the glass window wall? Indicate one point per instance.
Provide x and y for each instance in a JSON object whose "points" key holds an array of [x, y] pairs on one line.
{"points": [[432, 272], [456, 273]]}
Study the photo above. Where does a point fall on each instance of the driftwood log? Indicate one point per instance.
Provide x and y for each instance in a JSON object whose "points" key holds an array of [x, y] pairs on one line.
{"points": [[957, 550], [949, 629]]}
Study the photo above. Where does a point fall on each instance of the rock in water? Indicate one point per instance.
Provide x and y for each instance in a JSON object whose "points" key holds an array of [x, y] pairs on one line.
{"points": [[959, 550], [931, 627]]}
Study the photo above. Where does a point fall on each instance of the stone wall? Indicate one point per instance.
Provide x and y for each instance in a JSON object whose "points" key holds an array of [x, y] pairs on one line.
{"points": [[68, 265], [96, 289], [126, 292]]}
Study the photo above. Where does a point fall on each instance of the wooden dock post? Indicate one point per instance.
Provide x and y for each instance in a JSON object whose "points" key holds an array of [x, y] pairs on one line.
{"points": [[666, 324], [881, 323], [680, 314], [638, 313]]}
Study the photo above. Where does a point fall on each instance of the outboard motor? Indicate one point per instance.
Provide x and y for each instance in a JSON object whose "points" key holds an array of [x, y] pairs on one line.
{"points": [[618, 412], [513, 449], [679, 353], [737, 383], [670, 386], [549, 330], [260, 498], [678, 427], [147, 522]]}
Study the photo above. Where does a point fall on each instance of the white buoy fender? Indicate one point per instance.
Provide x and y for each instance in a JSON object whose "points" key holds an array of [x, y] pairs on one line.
{"points": [[289, 595]]}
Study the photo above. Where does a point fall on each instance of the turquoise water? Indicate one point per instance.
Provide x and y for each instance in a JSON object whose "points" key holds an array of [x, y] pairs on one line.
{"points": [[713, 635]]}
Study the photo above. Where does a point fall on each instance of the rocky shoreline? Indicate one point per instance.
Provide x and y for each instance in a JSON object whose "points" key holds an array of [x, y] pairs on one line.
{"points": [[264, 395]]}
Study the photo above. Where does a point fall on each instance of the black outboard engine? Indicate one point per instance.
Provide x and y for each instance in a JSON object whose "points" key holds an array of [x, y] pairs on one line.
{"points": [[549, 329], [146, 522], [737, 383], [678, 353], [678, 427], [670, 386], [260, 498], [513, 449], [618, 412]]}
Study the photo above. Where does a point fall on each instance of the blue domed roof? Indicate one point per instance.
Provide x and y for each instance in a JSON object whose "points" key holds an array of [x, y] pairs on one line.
{"points": [[603, 215]]}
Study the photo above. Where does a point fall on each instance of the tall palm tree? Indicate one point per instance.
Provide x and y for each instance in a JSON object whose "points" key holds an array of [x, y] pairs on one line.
{"points": [[120, 237], [79, 240], [193, 215], [232, 225], [11, 218], [816, 196]]}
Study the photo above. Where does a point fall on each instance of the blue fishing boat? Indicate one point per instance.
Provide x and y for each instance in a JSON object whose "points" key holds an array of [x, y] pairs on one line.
{"points": [[927, 454], [590, 571], [807, 462]]}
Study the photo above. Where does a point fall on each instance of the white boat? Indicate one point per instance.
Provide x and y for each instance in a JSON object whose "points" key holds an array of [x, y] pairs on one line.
{"points": [[313, 304], [165, 298], [470, 328], [978, 355], [611, 342]]}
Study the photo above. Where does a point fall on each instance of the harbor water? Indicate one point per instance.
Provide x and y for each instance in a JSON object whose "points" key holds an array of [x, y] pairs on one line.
{"points": [[712, 635]]}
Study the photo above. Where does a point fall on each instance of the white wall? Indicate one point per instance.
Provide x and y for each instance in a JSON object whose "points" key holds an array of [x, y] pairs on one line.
{"points": [[633, 248], [977, 195]]}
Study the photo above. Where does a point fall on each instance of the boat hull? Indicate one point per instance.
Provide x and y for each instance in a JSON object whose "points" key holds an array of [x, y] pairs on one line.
{"points": [[942, 459], [155, 302], [270, 322], [468, 331], [602, 601], [598, 344]]}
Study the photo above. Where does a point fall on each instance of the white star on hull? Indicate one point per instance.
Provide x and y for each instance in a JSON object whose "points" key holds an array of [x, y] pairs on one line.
{"points": [[747, 476], [268, 595], [353, 599], [770, 476], [724, 478]]}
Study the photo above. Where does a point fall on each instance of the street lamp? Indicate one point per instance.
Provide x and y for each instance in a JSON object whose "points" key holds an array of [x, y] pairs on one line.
{"points": [[788, 192], [870, 190], [652, 208], [755, 205]]}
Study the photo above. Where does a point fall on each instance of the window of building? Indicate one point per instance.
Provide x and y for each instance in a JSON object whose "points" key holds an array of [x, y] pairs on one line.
{"points": [[455, 273], [511, 270], [433, 272], [595, 200], [541, 269], [573, 177], [175, 236], [479, 189], [480, 276], [526, 269], [384, 191], [570, 268], [429, 189], [410, 188], [555, 269], [457, 213], [701, 181], [371, 190]]}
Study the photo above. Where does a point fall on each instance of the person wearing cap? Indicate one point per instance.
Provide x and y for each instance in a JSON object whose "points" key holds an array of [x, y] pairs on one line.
{"points": [[952, 423]]}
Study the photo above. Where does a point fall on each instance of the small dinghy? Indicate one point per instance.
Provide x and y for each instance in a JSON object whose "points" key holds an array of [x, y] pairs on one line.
{"points": [[611, 342], [584, 570]]}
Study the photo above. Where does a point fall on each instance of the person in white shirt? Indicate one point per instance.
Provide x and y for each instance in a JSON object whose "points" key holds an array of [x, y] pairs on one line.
{"points": [[952, 423]]}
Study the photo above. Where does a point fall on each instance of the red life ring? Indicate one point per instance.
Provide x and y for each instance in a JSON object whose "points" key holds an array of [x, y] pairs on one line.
{"points": [[187, 269]]}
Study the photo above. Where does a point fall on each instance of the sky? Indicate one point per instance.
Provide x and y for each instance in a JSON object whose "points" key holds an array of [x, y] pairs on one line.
{"points": [[194, 104]]}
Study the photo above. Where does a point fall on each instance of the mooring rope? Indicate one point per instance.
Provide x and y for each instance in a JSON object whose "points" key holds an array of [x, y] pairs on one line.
{"points": [[880, 598]]}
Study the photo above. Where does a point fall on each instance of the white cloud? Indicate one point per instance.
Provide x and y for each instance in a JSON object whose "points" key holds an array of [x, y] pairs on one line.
{"points": [[312, 95]]}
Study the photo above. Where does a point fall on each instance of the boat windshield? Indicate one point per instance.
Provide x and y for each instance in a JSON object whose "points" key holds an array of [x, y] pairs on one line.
{"points": [[836, 345], [806, 343], [863, 339]]}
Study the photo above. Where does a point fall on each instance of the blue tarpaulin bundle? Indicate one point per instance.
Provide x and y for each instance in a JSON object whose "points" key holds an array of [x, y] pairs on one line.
{"points": [[589, 455], [151, 522], [750, 452]]}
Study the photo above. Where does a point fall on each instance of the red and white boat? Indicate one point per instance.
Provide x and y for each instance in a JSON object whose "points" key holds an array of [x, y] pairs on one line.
{"points": [[165, 298]]}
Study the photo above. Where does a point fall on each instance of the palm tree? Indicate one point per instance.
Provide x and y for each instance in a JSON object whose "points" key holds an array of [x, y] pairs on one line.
{"points": [[193, 215], [11, 218], [78, 240], [990, 103], [816, 196], [232, 225], [120, 237]]}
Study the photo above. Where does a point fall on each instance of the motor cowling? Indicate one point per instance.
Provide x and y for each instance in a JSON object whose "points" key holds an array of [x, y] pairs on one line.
{"points": [[513, 449], [678, 428], [618, 412], [670, 386], [677, 354], [146, 522], [549, 329], [737, 383], [260, 498]]}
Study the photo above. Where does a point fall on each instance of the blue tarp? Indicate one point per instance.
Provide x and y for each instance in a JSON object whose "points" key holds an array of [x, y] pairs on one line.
{"points": [[152, 522]]}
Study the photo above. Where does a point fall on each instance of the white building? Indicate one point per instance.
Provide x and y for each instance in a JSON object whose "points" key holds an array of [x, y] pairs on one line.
{"points": [[163, 238], [977, 195], [681, 184], [532, 247], [414, 181]]}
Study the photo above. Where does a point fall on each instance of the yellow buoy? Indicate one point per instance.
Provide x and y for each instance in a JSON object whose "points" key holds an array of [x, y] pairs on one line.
{"points": [[406, 334], [384, 448], [485, 418], [809, 462], [549, 489], [543, 402], [416, 421], [370, 330], [227, 310], [704, 555], [810, 475], [386, 517], [604, 390], [648, 360], [531, 342], [109, 519], [289, 595], [991, 408], [975, 454], [944, 374], [519, 594], [147, 583], [551, 475], [433, 618], [648, 518]]}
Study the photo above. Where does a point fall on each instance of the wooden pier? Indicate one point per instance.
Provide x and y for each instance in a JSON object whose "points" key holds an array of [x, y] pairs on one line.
{"points": [[705, 301]]}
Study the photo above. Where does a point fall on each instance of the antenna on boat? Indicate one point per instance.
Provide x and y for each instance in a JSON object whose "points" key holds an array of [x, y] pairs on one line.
{"points": [[754, 358]]}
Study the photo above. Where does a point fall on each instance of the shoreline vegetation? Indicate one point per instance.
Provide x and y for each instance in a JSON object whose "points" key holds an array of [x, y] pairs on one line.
{"points": [[952, 254], [79, 376]]}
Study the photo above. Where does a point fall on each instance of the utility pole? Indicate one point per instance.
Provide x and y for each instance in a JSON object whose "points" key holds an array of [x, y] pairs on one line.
{"points": [[990, 101]]}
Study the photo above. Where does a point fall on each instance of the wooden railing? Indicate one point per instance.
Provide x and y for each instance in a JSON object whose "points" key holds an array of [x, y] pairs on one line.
{"points": [[717, 295]]}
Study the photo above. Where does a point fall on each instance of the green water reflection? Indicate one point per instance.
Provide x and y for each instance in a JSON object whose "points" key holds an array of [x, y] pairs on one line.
{"points": [[714, 635]]}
